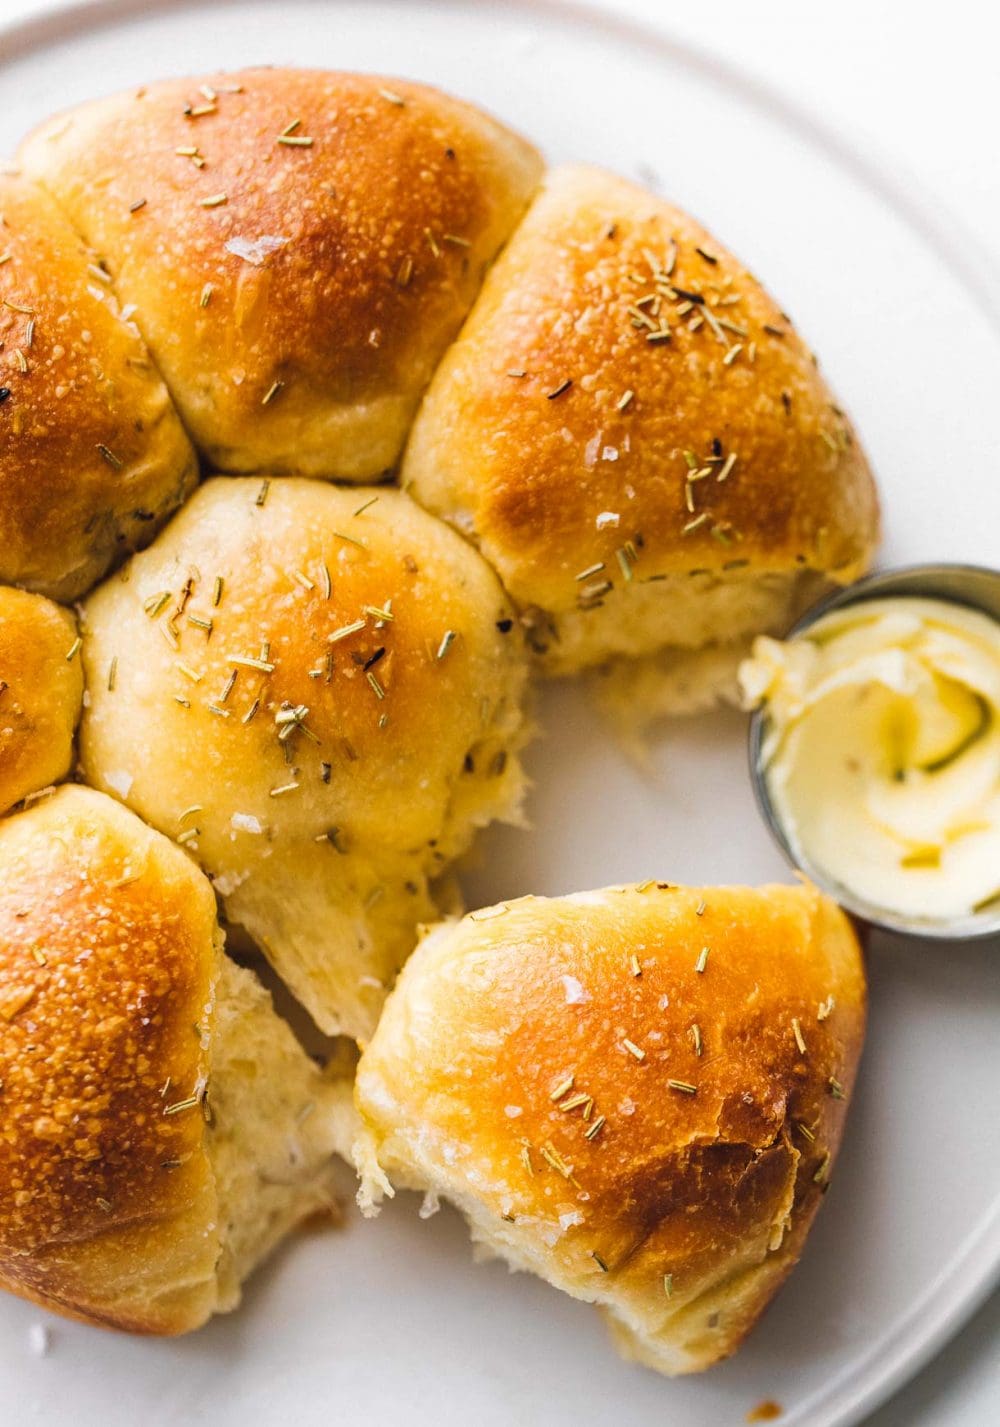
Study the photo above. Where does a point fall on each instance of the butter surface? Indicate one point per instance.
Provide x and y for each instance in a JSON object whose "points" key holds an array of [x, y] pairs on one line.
{"points": [[882, 751]]}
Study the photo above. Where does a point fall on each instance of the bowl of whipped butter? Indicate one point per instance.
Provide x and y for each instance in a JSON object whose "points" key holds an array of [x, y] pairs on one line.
{"points": [[875, 747]]}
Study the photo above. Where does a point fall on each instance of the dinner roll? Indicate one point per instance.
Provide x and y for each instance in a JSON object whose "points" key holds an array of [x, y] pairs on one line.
{"points": [[41, 688], [161, 1127], [635, 437], [636, 1093], [301, 247], [92, 455], [318, 691]]}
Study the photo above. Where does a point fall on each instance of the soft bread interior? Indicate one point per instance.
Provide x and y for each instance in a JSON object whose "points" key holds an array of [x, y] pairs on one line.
{"points": [[275, 1122], [687, 610], [711, 622]]}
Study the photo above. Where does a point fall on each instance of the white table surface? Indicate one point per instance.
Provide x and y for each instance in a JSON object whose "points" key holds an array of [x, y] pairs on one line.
{"points": [[915, 89]]}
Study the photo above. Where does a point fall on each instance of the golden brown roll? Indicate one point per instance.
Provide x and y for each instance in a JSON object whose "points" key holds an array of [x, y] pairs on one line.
{"points": [[301, 247], [92, 455], [318, 691], [636, 1093], [635, 437], [41, 689], [161, 1127]]}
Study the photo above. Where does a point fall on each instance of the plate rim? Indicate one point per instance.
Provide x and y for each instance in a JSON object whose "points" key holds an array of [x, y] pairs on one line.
{"points": [[969, 1278]]}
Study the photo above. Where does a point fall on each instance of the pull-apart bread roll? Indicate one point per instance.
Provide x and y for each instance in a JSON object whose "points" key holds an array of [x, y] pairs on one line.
{"points": [[92, 455], [301, 247], [318, 691], [635, 437], [41, 689], [157, 1137], [636, 1093]]}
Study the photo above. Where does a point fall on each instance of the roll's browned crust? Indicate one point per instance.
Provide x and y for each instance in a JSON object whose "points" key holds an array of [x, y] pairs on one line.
{"points": [[41, 690], [300, 245], [637, 1093], [108, 941], [92, 455], [626, 411]]}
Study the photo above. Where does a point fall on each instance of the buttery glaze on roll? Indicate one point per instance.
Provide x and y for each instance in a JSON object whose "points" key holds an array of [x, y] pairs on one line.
{"points": [[301, 246], [636, 1093], [162, 1129], [92, 455], [41, 692], [636, 438], [882, 751], [319, 691]]}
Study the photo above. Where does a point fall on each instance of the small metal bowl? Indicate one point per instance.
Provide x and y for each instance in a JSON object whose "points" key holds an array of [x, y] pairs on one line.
{"points": [[974, 586]]}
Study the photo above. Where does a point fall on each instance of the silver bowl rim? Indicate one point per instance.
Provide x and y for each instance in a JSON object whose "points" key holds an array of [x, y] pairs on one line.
{"points": [[976, 927]]}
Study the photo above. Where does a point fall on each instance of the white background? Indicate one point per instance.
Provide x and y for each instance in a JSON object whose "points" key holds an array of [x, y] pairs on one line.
{"points": [[919, 86]]}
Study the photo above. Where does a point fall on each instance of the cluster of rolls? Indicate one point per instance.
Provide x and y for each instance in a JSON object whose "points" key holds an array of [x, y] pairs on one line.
{"points": [[338, 416]]}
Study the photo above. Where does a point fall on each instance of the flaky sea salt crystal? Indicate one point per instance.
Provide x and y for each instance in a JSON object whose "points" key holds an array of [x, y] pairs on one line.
{"points": [[255, 250], [39, 1340], [120, 782], [575, 994]]}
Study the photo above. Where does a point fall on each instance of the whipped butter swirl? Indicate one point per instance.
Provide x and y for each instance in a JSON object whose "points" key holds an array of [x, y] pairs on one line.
{"points": [[882, 751]]}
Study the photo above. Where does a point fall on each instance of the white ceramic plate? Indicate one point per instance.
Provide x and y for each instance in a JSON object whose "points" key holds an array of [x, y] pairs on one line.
{"points": [[392, 1319]]}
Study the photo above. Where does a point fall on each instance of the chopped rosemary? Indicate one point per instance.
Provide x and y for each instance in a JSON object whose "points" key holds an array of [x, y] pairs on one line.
{"points": [[590, 571], [683, 1086], [179, 1106], [345, 630], [115, 462], [552, 1157], [488, 913], [727, 468], [247, 661]]}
